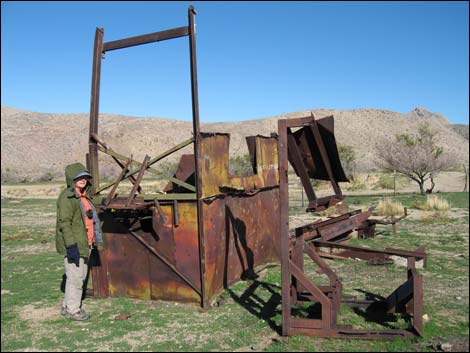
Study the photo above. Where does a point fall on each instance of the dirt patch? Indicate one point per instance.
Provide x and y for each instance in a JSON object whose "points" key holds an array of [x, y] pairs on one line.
{"points": [[261, 345], [36, 312], [456, 344]]}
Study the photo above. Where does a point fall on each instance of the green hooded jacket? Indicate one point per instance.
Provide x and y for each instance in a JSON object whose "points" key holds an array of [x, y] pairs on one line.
{"points": [[70, 226]]}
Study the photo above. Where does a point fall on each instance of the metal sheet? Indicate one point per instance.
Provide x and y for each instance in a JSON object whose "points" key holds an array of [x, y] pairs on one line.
{"points": [[240, 235], [311, 155]]}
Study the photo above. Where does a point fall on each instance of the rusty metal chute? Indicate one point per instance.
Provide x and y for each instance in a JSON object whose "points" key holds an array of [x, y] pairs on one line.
{"points": [[321, 132]]}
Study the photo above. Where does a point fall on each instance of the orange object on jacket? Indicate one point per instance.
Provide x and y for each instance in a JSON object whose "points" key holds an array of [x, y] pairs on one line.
{"points": [[89, 224]]}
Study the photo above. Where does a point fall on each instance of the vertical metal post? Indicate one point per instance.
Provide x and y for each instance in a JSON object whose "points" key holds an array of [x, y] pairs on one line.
{"points": [[197, 148], [94, 107], [284, 225]]}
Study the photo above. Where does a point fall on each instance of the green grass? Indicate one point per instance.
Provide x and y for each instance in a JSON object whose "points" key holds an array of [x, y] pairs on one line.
{"points": [[455, 199], [31, 272]]}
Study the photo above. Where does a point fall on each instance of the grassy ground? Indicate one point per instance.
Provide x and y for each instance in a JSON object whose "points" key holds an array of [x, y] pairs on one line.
{"points": [[247, 315]]}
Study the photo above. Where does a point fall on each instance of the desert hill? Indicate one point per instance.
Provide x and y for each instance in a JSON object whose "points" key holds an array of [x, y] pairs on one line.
{"points": [[39, 145]]}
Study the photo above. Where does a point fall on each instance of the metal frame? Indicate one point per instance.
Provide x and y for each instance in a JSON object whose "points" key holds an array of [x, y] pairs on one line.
{"points": [[96, 144], [201, 234], [297, 287], [241, 208]]}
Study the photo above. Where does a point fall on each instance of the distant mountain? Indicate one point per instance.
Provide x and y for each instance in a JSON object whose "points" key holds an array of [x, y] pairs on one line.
{"points": [[39, 145], [461, 129]]}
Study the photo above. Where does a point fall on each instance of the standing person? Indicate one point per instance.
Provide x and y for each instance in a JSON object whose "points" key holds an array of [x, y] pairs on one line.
{"points": [[77, 232]]}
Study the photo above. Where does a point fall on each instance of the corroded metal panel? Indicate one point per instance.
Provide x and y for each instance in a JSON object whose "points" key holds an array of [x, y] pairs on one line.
{"points": [[125, 280], [186, 247], [134, 270], [215, 165], [240, 232], [240, 235], [310, 151], [214, 160]]}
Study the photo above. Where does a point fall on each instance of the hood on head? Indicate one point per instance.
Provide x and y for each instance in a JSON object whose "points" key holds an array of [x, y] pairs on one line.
{"points": [[72, 171]]}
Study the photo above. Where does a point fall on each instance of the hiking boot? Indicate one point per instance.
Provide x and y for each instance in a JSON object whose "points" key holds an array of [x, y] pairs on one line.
{"points": [[63, 311], [78, 316]]}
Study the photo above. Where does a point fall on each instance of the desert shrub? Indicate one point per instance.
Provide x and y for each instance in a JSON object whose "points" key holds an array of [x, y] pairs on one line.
{"points": [[358, 182], [321, 184], [13, 176], [329, 212], [389, 207], [385, 181], [241, 165], [357, 185], [47, 176], [437, 217], [347, 155], [432, 203]]}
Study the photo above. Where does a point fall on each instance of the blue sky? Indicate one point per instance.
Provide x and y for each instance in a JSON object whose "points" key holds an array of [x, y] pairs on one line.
{"points": [[255, 59]]}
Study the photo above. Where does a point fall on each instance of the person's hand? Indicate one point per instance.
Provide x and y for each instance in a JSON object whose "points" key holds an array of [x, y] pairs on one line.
{"points": [[73, 255]]}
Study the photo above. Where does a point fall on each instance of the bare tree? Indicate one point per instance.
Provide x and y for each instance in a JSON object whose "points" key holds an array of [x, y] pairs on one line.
{"points": [[417, 156]]}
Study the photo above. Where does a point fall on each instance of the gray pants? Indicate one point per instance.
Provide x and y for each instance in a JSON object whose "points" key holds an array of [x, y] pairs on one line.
{"points": [[74, 285]]}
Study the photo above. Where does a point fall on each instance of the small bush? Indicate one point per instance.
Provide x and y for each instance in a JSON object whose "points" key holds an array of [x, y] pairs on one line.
{"points": [[241, 165], [389, 207], [329, 212], [437, 217], [433, 203], [347, 155], [386, 182], [357, 185], [320, 184]]}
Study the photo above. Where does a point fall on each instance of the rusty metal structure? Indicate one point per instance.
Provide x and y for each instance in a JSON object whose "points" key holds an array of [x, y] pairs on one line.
{"points": [[198, 237], [312, 151], [209, 229]]}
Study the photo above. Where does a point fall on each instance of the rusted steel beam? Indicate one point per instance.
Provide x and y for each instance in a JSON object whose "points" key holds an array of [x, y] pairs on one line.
{"points": [[323, 203], [296, 159], [398, 299], [146, 38], [324, 155], [312, 253], [95, 137], [356, 251], [417, 302], [116, 155], [152, 161], [197, 149], [131, 178], [118, 180], [312, 230], [352, 333], [94, 108], [184, 172], [297, 257], [138, 180], [161, 258], [284, 225]]}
